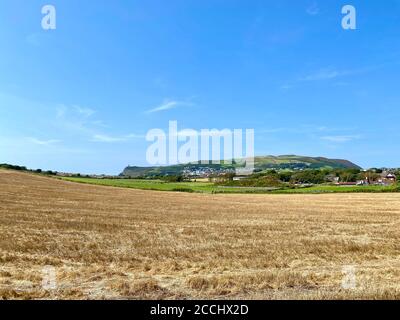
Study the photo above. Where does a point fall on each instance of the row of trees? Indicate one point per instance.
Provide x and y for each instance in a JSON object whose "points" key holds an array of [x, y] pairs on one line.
{"points": [[273, 178], [22, 168], [12, 167]]}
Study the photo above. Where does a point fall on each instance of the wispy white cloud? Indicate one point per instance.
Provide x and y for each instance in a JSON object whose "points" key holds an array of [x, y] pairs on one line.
{"points": [[320, 75], [135, 136], [313, 9], [76, 120], [169, 104], [62, 111], [286, 87], [80, 121], [86, 112], [306, 129], [34, 146], [42, 142], [105, 138], [274, 130], [333, 73], [325, 74], [341, 138]]}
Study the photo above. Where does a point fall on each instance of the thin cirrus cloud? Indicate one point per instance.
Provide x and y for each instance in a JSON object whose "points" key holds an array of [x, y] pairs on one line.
{"points": [[320, 75], [86, 112], [80, 121], [106, 138], [333, 135], [332, 73], [341, 138], [42, 142], [303, 129], [313, 9], [112, 139], [326, 74], [76, 119], [168, 105]]}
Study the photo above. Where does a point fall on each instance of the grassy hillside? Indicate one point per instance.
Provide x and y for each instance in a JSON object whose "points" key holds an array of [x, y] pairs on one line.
{"points": [[301, 162], [292, 162]]}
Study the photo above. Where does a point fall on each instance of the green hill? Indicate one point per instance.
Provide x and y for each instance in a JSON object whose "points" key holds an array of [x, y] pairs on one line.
{"points": [[301, 162], [289, 162]]}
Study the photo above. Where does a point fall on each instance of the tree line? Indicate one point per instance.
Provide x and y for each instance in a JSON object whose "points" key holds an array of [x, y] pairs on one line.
{"points": [[273, 178]]}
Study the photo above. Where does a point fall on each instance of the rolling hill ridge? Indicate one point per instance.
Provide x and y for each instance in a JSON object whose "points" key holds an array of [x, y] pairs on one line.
{"points": [[289, 162]]}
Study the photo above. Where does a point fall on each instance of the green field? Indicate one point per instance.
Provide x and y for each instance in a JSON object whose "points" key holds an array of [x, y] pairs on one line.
{"points": [[201, 187], [207, 187]]}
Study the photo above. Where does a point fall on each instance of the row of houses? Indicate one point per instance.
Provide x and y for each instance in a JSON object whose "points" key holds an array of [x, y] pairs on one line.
{"points": [[205, 172], [386, 178]]}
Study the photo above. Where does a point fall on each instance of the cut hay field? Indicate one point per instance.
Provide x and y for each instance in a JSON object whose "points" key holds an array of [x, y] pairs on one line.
{"points": [[119, 243]]}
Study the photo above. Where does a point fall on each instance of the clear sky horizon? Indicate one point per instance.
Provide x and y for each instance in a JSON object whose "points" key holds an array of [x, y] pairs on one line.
{"points": [[82, 97]]}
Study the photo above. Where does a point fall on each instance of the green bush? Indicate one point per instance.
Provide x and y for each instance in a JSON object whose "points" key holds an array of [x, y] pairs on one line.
{"points": [[182, 189], [173, 179]]}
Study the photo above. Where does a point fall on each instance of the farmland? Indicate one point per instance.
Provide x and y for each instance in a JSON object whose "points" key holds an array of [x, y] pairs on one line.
{"points": [[122, 243], [207, 187], [158, 185]]}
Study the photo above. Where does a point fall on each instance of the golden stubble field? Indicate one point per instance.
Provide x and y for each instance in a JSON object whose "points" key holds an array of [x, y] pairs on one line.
{"points": [[111, 243]]}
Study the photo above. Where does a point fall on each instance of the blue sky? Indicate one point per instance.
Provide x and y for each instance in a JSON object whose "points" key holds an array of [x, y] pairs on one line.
{"points": [[82, 97]]}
